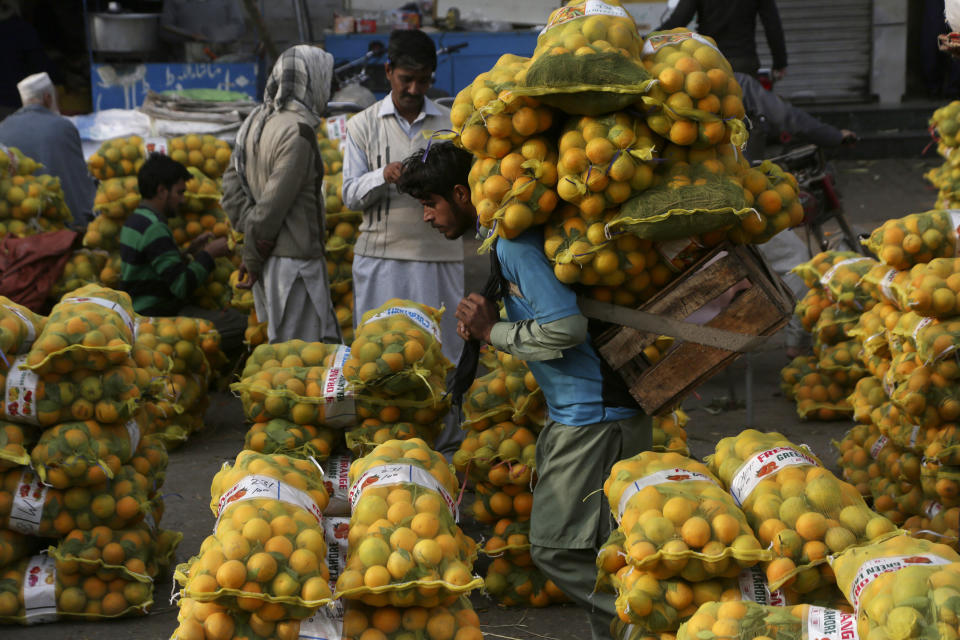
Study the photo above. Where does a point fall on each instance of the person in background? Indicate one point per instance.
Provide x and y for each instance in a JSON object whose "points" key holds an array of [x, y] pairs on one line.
{"points": [[592, 422], [273, 193], [733, 24], [393, 257], [21, 52], [40, 132], [201, 28], [159, 278]]}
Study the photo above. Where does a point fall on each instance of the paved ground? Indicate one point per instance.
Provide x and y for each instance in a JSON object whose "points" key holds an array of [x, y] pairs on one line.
{"points": [[872, 191]]}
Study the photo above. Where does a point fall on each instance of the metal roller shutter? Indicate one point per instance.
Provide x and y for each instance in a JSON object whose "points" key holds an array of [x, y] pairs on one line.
{"points": [[828, 49]]}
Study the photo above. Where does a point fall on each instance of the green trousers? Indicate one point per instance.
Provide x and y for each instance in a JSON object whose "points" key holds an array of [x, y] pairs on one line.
{"points": [[571, 518]]}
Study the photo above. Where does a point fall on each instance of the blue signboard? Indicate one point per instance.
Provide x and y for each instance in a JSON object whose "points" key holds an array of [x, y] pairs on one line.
{"points": [[124, 86]]}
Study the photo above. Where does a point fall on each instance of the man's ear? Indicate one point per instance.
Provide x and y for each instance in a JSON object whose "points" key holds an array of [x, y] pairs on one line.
{"points": [[461, 194]]}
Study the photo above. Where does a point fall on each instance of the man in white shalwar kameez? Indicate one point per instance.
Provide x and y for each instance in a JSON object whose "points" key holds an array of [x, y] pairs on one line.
{"points": [[273, 194]]}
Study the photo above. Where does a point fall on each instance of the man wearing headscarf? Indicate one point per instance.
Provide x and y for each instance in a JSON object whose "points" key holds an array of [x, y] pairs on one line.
{"points": [[273, 194]]}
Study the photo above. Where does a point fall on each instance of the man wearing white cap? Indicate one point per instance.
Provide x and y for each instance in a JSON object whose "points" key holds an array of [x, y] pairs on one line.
{"points": [[40, 132]]}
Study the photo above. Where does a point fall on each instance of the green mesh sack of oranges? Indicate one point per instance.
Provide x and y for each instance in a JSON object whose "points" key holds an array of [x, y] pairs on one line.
{"points": [[16, 440], [772, 193], [91, 328], [670, 434], [587, 59], [487, 401], [397, 346], [820, 397], [688, 202], [901, 588], [80, 454], [421, 412], [293, 353], [791, 374], [173, 429], [946, 123], [19, 327], [282, 436], [15, 546], [117, 157], [109, 397], [702, 534], [117, 197], [747, 620], [267, 553], [457, 620], [34, 591], [405, 548], [516, 191], [35, 509], [131, 554], [915, 239], [509, 382], [514, 581], [788, 498], [605, 161], [501, 455], [489, 118], [371, 433], [814, 269], [509, 538], [493, 502], [150, 460], [696, 99]]}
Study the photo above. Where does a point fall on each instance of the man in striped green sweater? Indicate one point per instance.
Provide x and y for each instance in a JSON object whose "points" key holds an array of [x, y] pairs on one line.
{"points": [[158, 277]]}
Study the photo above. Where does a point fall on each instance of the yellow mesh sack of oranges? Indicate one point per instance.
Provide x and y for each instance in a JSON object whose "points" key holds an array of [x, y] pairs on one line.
{"points": [[207, 153], [515, 191], [946, 123], [35, 509], [31, 204], [514, 581], [81, 269], [772, 193], [80, 454], [840, 361], [19, 328], [819, 397], [814, 269], [339, 244], [696, 99], [16, 441], [150, 460], [33, 591], [587, 59], [13, 162], [701, 533], [267, 553], [193, 344], [940, 483], [935, 523], [14, 546], [654, 606], [688, 202], [103, 233], [934, 339], [747, 620], [405, 546], [842, 283], [487, 401], [202, 193], [91, 328], [931, 288], [859, 451], [282, 436], [419, 414], [209, 621], [117, 157], [868, 394], [789, 499], [509, 538], [670, 434], [809, 308], [604, 161], [396, 346], [457, 620], [928, 398], [132, 554], [501, 455], [833, 327], [292, 353], [915, 239], [791, 374], [870, 331], [117, 197], [493, 502], [878, 280], [174, 429], [372, 432], [901, 588], [109, 397]]}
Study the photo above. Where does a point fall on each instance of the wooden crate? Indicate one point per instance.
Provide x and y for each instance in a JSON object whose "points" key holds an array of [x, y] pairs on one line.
{"points": [[760, 306]]}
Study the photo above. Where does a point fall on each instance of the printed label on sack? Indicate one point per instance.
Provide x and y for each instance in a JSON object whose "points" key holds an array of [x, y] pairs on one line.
{"points": [[107, 304], [875, 567], [389, 474], [932, 509], [39, 590], [335, 386], [20, 394], [564, 15], [325, 624], [155, 145], [335, 531], [885, 285], [660, 477], [133, 431], [878, 446], [337, 127], [414, 314], [923, 324], [912, 442], [658, 40], [828, 276], [753, 588], [763, 465], [336, 477], [256, 487], [27, 510], [830, 624], [955, 223], [31, 330]]}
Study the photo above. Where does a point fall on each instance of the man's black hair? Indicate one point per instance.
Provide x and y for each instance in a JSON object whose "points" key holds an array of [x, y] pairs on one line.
{"points": [[160, 170], [412, 49], [444, 167]]}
